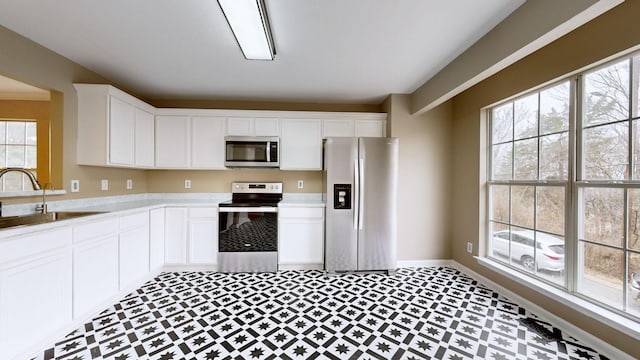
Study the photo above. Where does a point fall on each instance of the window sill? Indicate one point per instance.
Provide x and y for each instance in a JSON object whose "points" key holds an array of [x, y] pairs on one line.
{"points": [[30, 193], [610, 318]]}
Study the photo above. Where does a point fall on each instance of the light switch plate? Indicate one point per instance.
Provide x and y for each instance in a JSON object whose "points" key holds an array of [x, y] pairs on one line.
{"points": [[300, 184], [75, 186], [104, 185], [129, 184]]}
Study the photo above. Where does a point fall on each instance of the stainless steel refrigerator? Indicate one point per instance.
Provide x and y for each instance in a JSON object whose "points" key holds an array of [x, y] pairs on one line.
{"points": [[360, 193]]}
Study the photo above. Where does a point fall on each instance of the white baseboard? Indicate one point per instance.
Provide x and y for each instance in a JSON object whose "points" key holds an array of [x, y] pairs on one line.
{"points": [[286, 267], [425, 263], [565, 326]]}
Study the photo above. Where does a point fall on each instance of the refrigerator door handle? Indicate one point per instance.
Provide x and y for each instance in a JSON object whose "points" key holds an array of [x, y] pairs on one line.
{"points": [[361, 195], [356, 194]]}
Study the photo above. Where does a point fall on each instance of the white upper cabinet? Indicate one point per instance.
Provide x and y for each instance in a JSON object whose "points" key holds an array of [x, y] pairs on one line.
{"points": [[252, 126], [114, 128], [207, 142], [362, 125], [370, 128], [122, 118], [301, 144], [188, 141], [145, 139], [173, 142], [337, 128]]}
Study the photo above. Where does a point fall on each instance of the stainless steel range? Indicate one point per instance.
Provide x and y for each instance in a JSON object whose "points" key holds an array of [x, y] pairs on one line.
{"points": [[248, 237]]}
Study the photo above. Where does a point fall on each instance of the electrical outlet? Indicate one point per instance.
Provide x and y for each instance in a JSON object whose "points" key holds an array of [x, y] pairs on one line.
{"points": [[300, 184], [75, 185], [129, 184], [469, 247], [187, 184], [104, 185]]}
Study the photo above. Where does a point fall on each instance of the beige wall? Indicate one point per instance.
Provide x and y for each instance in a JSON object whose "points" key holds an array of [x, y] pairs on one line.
{"points": [[220, 181], [610, 33], [424, 174], [33, 64]]}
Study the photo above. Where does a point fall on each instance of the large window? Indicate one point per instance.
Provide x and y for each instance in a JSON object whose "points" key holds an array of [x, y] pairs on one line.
{"points": [[564, 184]]}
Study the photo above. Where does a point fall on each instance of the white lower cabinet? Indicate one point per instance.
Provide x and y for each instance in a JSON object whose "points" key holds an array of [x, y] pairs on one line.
{"points": [[95, 264], [175, 225], [134, 248], [134, 256], [95, 273], [35, 289], [191, 235], [301, 236], [156, 239], [202, 225]]}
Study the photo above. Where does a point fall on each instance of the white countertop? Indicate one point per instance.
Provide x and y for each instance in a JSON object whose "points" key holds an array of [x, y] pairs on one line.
{"points": [[301, 200], [138, 202]]}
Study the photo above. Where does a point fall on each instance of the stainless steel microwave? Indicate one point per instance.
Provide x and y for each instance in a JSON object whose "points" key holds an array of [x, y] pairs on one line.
{"points": [[252, 151]]}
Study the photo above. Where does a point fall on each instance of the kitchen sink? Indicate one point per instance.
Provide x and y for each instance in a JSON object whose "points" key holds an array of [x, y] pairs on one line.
{"points": [[34, 219]]}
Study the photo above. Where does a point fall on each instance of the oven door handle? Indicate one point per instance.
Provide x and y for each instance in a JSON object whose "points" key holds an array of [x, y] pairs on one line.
{"points": [[246, 209]]}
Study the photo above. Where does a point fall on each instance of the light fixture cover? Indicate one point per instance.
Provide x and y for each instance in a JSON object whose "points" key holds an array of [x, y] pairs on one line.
{"points": [[250, 26]]}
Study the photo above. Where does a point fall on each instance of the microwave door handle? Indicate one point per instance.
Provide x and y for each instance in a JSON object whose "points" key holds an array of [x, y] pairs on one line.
{"points": [[268, 151]]}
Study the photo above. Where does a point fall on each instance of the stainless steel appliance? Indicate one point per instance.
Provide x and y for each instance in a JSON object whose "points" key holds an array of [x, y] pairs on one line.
{"points": [[360, 186], [248, 228], [252, 151]]}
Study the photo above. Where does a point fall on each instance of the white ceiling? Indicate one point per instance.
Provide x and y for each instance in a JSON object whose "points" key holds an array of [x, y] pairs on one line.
{"points": [[346, 51]]}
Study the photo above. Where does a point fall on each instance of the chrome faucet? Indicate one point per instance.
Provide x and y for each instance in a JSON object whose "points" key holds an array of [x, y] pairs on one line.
{"points": [[34, 181], [42, 208]]}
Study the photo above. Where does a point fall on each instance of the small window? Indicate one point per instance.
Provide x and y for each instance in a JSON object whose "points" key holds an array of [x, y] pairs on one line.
{"points": [[18, 148]]}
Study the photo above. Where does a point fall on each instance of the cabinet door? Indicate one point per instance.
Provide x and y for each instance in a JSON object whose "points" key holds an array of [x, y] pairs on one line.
{"points": [[134, 256], [266, 127], [95, 274], [172, 142], [175, 236], [35, 300], [337, 128], [203, 241], [239, 126], [301, 236], [203, 235], [121, 132], [301, 144], [370, 128], [156, 239], [207, 142], [144, 139]]}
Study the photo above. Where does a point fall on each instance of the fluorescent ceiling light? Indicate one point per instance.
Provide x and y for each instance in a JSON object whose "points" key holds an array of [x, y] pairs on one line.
{"points": [[250, 25]]}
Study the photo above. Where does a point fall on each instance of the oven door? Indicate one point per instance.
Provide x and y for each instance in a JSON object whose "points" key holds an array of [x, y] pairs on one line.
{"points": [[248, 239]]}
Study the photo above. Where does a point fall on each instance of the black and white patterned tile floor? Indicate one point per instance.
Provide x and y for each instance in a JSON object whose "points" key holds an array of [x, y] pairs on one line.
{"points": [[418, 313]]}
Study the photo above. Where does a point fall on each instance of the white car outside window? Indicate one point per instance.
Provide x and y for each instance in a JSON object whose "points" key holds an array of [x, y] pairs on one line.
{"points": [[535, 251]]}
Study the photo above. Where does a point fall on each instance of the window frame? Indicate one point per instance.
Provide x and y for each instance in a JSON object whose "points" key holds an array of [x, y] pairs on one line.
{"points": [[573, 186]]}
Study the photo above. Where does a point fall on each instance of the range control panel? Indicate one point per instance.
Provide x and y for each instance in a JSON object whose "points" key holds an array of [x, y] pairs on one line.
{"points": [[342, 196], [256, 188]]}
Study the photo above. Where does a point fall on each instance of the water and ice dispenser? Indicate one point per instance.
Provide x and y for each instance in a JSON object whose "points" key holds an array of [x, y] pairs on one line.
{"points": [[342, 196]]}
